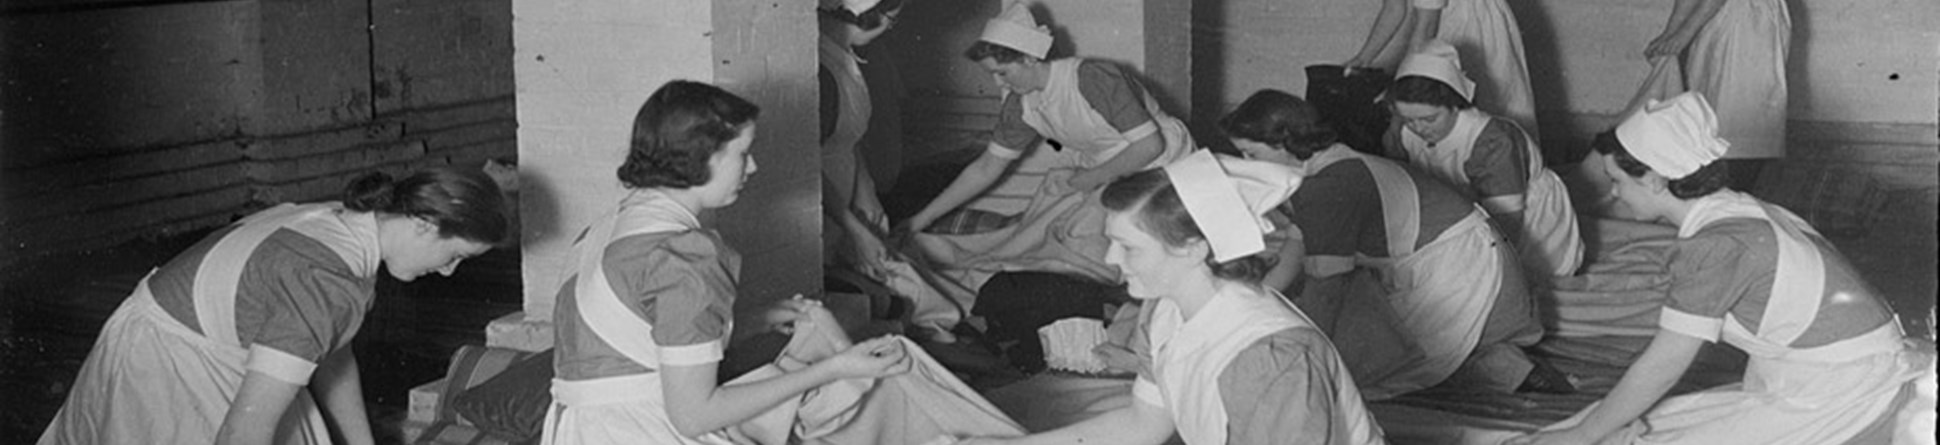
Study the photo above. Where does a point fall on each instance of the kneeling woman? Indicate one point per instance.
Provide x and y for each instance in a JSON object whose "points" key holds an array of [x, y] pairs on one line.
{"points": [[1459, 303], [1828, 359], [1491, 160], [1225, 360], [641, 327], [229, 341]]}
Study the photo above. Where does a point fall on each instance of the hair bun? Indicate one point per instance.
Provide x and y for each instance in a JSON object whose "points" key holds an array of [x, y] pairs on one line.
{"points": [[369, 192]]}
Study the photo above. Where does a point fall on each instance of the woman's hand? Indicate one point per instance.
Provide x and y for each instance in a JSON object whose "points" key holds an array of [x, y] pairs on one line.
{"points": [[1059, 182], [816, 334], [878, 357], [1669, 44], [1567, 436]]}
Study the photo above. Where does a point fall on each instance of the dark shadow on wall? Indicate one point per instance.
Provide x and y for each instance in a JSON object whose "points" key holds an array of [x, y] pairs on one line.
{"points": [[1209, 55]]}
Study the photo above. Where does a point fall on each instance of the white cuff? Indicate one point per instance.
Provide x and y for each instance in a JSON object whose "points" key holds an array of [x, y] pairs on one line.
{"points": [[1148, 392], [1322, 266], [689, 355], [1681, 322], [1141, 131], [1003, 152], [279, 365]]}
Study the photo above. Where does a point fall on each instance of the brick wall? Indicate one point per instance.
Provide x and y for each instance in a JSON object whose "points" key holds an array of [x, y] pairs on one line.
{"points": [[125, 120]]}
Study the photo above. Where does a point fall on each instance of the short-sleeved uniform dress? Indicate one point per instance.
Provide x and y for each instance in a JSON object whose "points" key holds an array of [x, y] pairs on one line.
{"points": [[1247, 369], [1737, 61], [1489, 40], [652, 289], [274, 293], [846, 111], [1485, 156], [1454, 292], [1829, 363], [1093, 110]]}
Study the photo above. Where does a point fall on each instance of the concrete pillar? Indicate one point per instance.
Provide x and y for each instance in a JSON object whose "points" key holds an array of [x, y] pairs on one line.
{"points": [[1151, 36], [582, 70], [764, 50]]}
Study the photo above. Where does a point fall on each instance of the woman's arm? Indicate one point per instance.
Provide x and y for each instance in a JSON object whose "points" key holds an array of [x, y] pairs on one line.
{"points": [[1140, 423], [1660, 366], [1426, 23], [340, 391], [1130, 160], [258, 408], [697, 403], [971, 182], [1381, 38], [1687, 18], [1287, 271], [1507, 212]]}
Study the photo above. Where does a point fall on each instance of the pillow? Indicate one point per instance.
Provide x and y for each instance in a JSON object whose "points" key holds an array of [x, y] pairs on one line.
{"points": [[512, 404]]}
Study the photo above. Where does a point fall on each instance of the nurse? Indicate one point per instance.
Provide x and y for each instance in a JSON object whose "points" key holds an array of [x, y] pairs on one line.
{"points": [[642, 324], [1107, 126], [1486, 34], [848, 192], [1829, 363], [1224, 360], [1734, 54], [245, 336], [1451, 282], [1489, 159]]}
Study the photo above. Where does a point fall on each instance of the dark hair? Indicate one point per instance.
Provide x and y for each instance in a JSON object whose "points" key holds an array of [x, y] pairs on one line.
{"points": [[1706, 180], [1424, 90], [464, 204], [869, 20], [680, 127], [999, 53], [1161, 213], [1281, 120]]}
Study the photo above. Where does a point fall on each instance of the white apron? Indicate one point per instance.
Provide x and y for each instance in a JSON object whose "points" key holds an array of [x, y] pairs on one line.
{"points": [[1055, 233], [1550, 241], [1441, 294], [841, 161], [1738, 62], [1816, 395], [1189, 355], [1489, 40], [151, 379], [629, 408], [935, 304]]}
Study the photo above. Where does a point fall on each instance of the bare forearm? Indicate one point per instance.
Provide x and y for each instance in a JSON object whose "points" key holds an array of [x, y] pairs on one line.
{"points": [[1703, 12], [1286, 271], [341, 390], [1427, 26], [256, 410], [1647, 380], [1132, 159], [697, 406], [974, 179], [1681, 13], [1386, 26]]}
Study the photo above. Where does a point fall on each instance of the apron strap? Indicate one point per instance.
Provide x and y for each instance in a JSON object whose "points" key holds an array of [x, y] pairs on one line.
{"points": [[1798, 286], [220, 272], [1400, 204], [602, 310]]}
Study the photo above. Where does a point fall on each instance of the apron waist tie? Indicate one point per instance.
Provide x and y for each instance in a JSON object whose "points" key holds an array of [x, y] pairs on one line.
{"points": [[1884, 339], [607, 390]]}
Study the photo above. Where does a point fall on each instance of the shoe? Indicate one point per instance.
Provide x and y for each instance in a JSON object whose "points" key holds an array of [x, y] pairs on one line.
{"points": [[1546, 379]]}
